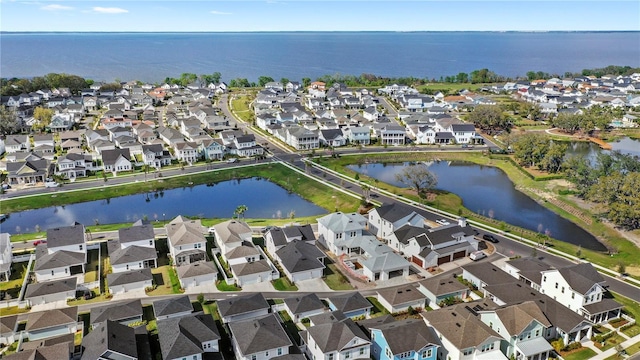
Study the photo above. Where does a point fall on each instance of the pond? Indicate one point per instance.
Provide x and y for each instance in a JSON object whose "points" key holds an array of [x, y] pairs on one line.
{"points": [[625, 145], [489, 192], [263, 199]]}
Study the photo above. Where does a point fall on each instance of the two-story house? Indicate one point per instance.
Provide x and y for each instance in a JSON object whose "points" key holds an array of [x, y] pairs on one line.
{"points": [[64, 254], [188, 337], [338, 340], [6, 256], [186, 240], [384, 220], [406, 339], [259, 339]]}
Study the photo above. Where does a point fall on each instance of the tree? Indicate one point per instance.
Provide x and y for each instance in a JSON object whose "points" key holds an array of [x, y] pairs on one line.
{"points": [[530, 148], [554, 158], [418, 177], [568, 122], [200, 298], [240, 210], [8, 121], [306, 82], [43, 115], [489, 118], [263, 80]]}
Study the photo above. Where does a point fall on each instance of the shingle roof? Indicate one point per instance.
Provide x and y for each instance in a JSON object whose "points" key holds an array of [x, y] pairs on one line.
{"points": [[304, 303], [350, 302], [299, 256], [242, 304], [335, 336], [401, 295], [132, 254], [489, 273], [46, 319], [8, 324], [197, 269], [170, 306], [231, 231], [244, 250], [109, 336], [183, 336], [407, 335], [341, 222], [109, 157], [442, 285], [51, 287], [530, 268], [181, 231], [516, 318], [581, 277], [393, 212], [116, 312], [65, 235], [52, 352], [249, 268], [253, 336], [58, 259], [136, 233], [460, 326], [129, 277]]}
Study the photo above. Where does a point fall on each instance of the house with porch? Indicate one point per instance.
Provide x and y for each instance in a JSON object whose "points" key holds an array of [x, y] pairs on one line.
{"points": [[73, 165], [384, 220], [186, 151], [116, 160], [332, 138], [29, 172], [405, 339], [64, 254], [154, 155], [357, 134], [186, 240], [391, 134], [212, 149]]}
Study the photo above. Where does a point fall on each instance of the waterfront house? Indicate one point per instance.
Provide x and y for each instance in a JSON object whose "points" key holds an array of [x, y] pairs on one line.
{"points": [[244, 146], [29, 172], [384, 220], [140, 234], [340, 339], [116, 160], [154, 155], [188, 337], [304, 306], [50, 323], [110, 340], [186, 240], [390, 134], [332, 138], [186, 151], [462, 335], [338, 227], [301, 260], [73, 165], [358, 134], [133, 257], [64, 254], [400, 299], [172, 308], [406, 339], [6, 256], [125, 312], [352, 305], [301, 138], [276, 237], [231, 234], [211, 149], [51, 291], [259, 339], [243, 307], [128, 281]]}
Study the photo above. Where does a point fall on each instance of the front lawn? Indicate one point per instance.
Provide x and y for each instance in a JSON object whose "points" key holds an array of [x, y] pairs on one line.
{"points": [[580, 354], [223, 286], [632, 330], [14, 310], [378, 309], [334, 278], [610, 342], [166, 281], [283, 284]]}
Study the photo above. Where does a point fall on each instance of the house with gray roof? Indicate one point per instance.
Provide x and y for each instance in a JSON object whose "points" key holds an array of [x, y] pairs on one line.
{"points": [[231, 234], [405, 339], [341, 339], [188, 336], [400, 299], [259, 338], [57, 265], [124, 312], [186, 240], [50, 352], [301, 261], [243, 307], [483, 274], [463, 335], [116, 160], [172, 307], [196, 274], [51, 291], [29, 172], [110, 339], [377, 261], [8, 329], [332, 138], [50, 323], [528, 270], [133, 280], [439, 288], [276, 237], [384, 220], [138, 235], [351, 305], [336, 228], [304, 306], [131, 257], [357, 134]]}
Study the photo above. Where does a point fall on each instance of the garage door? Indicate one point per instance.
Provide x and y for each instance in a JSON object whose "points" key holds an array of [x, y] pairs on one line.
{"points": [[444, 259], [459, 254], [417, 260]]}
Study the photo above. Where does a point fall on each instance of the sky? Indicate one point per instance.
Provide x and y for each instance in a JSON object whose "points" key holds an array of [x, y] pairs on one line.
{"points": [[327, 15]]}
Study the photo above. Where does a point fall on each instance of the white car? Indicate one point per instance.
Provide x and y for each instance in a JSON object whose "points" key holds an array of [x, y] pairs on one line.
{"points": [[477, 255], [443, 222], [51, 184]]}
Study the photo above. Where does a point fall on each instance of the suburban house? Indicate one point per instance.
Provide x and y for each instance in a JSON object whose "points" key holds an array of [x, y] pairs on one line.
{"points": [[406, 339], [442, 288], [243, 307], [196, 274], [339, 227], [384, 220], [400, 299], [462, 335], [352, 305], [172, 308], [133, 257], [140, 234], [581, 289], [116, 160], [15, 143], [73, 165], [126, 313], [188, 337], [155, 155], [8, 329], [259, 339], [29, 172], [528, 270], [391, 135], [481, 275], [110, 340], [358, 134], [304, 306], [64, 254], [6, 256], [51, 291], [231, 234], [212, 149], [186, 240], [332, 138], [276, 237], [130, 281], [301, 260], [50, 323], [186, 151], [249, 265], [341, 339], [523, 326]]}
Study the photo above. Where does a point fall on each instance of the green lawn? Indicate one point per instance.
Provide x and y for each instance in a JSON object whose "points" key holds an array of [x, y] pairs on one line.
{"points": [[98, 297], [453, 87], [632, 331], [240, 106], [290, 327], [611, 342], [223, 286], [13, 310], [378, 309], [582, 354], [633, 349], [283, 284], [18, 270], [91, 270], [631, 307], [169, 284], [334, 278]]}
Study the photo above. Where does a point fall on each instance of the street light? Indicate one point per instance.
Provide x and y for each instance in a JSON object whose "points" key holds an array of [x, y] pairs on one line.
{"points": [[163, 218]]}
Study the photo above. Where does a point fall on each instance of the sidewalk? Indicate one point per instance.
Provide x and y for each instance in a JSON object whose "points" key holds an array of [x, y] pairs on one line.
{"points": [[603, 355]]}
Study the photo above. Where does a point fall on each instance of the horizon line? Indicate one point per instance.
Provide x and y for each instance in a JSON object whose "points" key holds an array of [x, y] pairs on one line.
{"points": [[312, 31]]}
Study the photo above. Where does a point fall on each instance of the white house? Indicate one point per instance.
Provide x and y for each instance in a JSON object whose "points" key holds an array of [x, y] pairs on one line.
{"points": [[259, 339], [336, 340], [384, 220], [6, 256], [186, 240]]}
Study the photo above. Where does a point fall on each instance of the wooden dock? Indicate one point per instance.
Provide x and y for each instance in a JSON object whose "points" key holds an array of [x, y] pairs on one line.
{"points": [[603, 145]]}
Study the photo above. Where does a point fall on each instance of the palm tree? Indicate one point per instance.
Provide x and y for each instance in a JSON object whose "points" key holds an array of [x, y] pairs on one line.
{"points": [[240, 210]]}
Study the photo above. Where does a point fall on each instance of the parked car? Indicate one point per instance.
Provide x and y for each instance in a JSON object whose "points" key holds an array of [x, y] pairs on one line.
{"points": [[490, 238], [51, 184], [443, 222], [232, 160], [477, 255], [38, 242]]}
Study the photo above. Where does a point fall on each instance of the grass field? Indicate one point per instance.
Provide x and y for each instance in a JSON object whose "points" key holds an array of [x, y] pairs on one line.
{"points": [[334, 278], [582, 354], [283, 284]]}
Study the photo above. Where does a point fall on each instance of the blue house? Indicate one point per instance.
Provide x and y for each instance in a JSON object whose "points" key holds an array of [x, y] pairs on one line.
{"points": [[406, 339]]}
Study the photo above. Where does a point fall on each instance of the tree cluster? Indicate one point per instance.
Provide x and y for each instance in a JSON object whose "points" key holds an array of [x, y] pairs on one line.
{"points": [[17, 86], [612, 180], [417, 177], [535, 149], [592, 118], [490, 119]]}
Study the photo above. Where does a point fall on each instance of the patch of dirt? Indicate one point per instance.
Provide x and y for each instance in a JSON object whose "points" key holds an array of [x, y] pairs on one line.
{"points": [[633, 270], [558, 183], [633, 236]]}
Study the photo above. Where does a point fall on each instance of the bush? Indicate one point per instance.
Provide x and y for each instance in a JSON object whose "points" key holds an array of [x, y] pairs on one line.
{"points": [[573, 346], [557, 345]]}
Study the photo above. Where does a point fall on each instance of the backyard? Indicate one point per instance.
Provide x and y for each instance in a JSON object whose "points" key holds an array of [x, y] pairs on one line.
{"points": [[11, 289], [166, 281], [334, 278]]}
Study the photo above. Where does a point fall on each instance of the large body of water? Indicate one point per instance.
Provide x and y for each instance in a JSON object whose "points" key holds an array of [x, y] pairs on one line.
{"points": [[488, 191], [153, 56], [264, 199]]}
